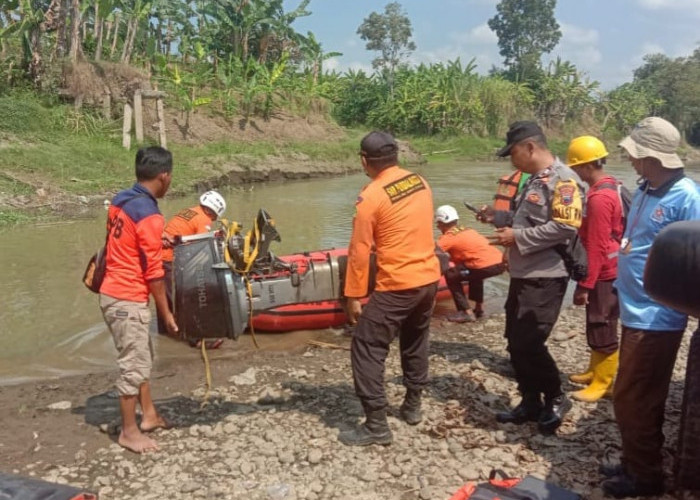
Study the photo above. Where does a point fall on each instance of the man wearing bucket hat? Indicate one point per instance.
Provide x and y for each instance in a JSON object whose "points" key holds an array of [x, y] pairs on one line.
{"points": [[651, 332], [545, 215]]}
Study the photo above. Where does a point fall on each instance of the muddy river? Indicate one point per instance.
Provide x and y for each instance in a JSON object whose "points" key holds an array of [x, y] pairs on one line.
{"points": [[50, 325]]}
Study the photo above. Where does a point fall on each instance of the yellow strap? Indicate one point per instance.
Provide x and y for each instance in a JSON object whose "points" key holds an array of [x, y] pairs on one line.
{"points": [[207, 371]]}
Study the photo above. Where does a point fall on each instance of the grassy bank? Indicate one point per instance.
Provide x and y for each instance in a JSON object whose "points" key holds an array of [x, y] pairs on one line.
{"points": [[52, 155], [49, 151]]}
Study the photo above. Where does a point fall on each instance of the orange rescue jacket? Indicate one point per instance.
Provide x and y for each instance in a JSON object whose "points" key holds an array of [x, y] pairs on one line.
{"points": [[187, 222], [394, 216], [470, 248], [506, 191]]}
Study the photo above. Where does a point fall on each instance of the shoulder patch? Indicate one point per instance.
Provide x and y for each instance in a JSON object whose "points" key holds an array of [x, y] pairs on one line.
{"points": [[566, 194], [406, 186], [187, 214], [534, 197], [567, 206]]}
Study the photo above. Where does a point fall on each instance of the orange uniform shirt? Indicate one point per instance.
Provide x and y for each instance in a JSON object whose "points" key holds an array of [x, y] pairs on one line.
{"points": [[186, 223], [468, 247], [134, 245], [394, 216]]}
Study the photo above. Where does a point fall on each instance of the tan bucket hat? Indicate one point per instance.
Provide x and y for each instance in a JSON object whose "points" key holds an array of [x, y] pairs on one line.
{"points": [[657, 138]]}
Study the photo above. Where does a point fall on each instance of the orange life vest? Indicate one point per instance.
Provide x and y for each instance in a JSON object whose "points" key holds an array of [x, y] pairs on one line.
{"points": [[506, 191]]}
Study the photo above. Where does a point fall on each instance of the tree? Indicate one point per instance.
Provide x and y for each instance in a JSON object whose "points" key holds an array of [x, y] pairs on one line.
{"points": [[676, 82], [526, 29], [390, 34]]}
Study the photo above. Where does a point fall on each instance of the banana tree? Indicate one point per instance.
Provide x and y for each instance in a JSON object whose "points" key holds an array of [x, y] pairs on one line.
{"points": [[29, 28], [135, 11]]}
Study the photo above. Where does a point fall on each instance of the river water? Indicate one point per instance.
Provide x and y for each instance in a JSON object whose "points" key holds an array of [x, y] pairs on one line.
{"points": [[50, 324]]}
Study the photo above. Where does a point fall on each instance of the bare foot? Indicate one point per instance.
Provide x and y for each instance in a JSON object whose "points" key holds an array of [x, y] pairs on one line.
{"points": [[150, 425], [138, 443]]}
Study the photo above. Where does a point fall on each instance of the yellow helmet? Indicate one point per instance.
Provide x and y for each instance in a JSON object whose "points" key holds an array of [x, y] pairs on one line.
{"points": [[585, 149]]}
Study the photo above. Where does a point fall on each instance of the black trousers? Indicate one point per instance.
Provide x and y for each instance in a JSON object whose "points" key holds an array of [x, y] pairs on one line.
{"points": [[455, 277], [405, 314], [532, 309]]}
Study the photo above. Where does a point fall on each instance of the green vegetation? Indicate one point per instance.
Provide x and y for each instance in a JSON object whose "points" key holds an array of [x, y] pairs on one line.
{"points": [[243, 60], [526, 29]]}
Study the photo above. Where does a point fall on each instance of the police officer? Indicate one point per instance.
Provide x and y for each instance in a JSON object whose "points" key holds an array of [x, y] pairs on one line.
{"points": [[393, 215], [547, 213]]}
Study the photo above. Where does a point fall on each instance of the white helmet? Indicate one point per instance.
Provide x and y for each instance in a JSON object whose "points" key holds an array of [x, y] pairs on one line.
{"points": [[446, 214], [213, 200]]}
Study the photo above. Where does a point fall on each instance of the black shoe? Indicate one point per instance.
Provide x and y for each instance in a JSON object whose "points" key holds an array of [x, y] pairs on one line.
{"points": [[410, 409], [375, 430], [624, 485], [528, 410], [553, 414], [611, 470]]}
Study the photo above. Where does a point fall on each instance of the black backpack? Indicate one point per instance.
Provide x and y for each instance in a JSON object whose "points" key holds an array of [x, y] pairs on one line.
{"points": [[625, 198]]}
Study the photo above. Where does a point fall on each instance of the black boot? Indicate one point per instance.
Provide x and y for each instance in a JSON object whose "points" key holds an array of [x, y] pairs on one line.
{"points": [[611, 470], [410, 409], [553, 414], [375, 430], [623, 486], [528, 410]]}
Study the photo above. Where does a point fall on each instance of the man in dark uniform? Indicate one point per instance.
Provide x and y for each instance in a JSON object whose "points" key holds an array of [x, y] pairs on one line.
{"points": [[547, 213]]}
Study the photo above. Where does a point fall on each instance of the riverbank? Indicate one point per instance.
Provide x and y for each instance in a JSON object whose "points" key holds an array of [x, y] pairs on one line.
{"points": [[270, 426]]}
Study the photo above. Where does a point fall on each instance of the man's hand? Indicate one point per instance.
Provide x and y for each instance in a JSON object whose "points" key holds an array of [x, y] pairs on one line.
{"points": [[504, 236], [580, 296], [168, 241], [485, 214], [354, 307], [170, 324]]}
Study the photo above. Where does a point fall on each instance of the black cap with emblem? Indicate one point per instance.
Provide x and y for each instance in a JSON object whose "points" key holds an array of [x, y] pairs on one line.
{"points": [[519, 131]]}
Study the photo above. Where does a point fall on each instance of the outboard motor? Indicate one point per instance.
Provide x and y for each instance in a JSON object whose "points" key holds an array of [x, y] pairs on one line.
{"points": [[251, 253], [672, 277], [210, 299]]}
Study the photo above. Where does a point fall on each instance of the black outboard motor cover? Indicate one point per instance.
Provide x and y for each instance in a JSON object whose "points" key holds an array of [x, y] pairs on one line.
{"points": [[672, 273], [210, 299]]}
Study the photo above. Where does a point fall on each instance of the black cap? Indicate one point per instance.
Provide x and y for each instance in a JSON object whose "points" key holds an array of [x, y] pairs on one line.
{"points": [[517, 132], [378, 145]]}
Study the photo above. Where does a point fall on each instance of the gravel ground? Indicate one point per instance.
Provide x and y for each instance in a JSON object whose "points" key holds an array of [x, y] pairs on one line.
{"points": [[269, 430]]}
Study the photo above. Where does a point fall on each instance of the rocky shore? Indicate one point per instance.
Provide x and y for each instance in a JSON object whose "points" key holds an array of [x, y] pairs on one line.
{"points": [[269, 427]]}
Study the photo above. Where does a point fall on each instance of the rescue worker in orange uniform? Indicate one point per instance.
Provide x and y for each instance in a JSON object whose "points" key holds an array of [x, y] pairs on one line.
{"points": [[135, 271], [189, 221], [601, 233], [393, 217], [475, 260]]}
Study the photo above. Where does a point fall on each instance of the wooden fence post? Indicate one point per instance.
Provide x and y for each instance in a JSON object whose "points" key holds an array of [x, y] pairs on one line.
{"points": [[160, 112], [126, 128], [138, 116], [107, 104]]}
